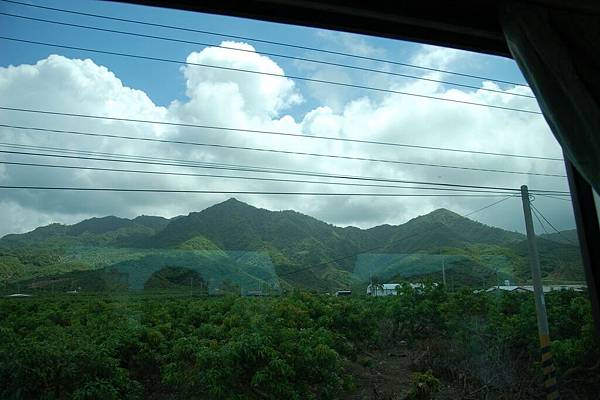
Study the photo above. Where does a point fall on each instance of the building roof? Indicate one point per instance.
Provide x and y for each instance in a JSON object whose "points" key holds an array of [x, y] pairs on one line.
{"points": [[507, 288], [390, 286], [394, 286], [529, 288]]}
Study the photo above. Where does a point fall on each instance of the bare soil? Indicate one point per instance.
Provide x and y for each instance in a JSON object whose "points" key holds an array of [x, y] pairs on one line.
{"points": [[383, 373]]}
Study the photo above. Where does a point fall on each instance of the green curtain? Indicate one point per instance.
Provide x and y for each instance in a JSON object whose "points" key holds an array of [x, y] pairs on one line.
{"points": [[558, 51]]}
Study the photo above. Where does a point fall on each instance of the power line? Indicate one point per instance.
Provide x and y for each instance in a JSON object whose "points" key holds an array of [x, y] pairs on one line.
{"points": [[141, 159], [556, 198], [257, 131], [290, 45], [320, 155], [539, 220], [192, 191], [262, 73], [552, 226], [387, 244], [78, 167], [191, 164], [236, 167], [265, 53], [486, 207]]}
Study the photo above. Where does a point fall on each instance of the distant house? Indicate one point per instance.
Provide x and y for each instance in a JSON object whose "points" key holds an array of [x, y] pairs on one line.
{"points": [[529, 288], [343, 293], [19, 295], [421, 286], [509, 288], [391, 289], [576, 288], [255, 293], [384, 289]]}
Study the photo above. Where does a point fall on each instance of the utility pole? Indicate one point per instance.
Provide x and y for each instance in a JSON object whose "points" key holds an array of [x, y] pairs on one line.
{"points": [[540, 306], [443, 271], [497, 277], [192, 287]]}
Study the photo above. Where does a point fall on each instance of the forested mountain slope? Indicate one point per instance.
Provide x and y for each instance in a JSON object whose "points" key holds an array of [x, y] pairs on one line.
{"points": [[302, 250]]}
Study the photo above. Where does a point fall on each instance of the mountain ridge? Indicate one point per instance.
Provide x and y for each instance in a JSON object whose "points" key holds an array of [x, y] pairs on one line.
{"points": [[293, 241], [159, 222]]}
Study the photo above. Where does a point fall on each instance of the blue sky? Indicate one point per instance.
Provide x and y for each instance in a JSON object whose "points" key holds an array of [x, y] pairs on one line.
{"points": [[163, 82], [235, 99]]}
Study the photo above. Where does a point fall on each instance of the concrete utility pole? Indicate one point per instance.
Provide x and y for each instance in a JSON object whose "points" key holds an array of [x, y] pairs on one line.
{"points": [[540, 306], [444, 271]]}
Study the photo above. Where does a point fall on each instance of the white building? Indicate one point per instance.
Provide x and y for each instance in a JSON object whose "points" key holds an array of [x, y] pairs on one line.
{"points": [[384, 289], [391, 289], [529, 288], [551, 288], [509, 288]]}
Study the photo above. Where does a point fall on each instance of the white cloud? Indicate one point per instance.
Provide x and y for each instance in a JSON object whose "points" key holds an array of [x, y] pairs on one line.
{"points": [[436, 57], [233, 99], [351, 43], [258, 95]]}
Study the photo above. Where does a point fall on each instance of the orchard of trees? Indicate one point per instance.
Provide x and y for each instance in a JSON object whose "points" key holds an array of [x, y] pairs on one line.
{"points": [[298, 346]]}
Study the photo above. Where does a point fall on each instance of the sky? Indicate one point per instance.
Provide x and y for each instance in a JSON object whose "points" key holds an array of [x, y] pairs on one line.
{"points": [[39, 77]]}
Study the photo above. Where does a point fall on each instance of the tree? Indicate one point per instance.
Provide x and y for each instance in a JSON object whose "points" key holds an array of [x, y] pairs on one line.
{"points": [[376, 285], [227, 286], [179, 278]]}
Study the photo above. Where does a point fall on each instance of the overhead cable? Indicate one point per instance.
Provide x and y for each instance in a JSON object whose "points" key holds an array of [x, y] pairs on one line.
{"points": [[240, 177], [263, 73], [320, 155], [112, 157], [552, 226], [270, 42], [192, 191], [266, 53], [537, 217], [252, 131], [557, 198]]}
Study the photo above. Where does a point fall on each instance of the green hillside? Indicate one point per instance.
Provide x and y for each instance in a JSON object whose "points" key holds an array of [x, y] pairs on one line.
{"points": [[565, 237], [558, 261], [252, 247]]}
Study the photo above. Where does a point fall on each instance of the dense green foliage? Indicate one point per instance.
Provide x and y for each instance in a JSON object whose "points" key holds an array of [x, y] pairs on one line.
{"points": [[176, 278], [297, 346], [216, 348]]}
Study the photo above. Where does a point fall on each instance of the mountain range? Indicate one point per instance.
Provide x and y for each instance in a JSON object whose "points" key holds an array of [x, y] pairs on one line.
{"points": [[238, 245]]}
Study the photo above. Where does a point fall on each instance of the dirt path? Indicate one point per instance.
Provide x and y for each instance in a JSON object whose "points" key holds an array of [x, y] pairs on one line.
{"points": [[384, 374], [381, 374]]}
